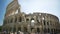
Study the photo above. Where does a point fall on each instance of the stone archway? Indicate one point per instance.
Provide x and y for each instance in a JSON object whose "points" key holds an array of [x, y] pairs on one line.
{"points": [[25, 29], [38, 30], [19, 28]]}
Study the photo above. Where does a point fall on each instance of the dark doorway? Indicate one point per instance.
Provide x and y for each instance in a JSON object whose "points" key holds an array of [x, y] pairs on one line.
{"points": [[38, 30], [19, 28], [25, 29]]}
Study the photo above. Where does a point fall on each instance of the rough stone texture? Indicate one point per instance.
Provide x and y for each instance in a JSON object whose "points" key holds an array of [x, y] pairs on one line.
{"points": [[36, 22]]}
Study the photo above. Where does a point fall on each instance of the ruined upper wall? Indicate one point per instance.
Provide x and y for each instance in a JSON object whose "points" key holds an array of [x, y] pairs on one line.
{"points": [[12, 7]]}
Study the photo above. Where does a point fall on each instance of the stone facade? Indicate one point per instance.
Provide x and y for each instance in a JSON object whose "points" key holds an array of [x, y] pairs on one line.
{"points": [[15, 20]]}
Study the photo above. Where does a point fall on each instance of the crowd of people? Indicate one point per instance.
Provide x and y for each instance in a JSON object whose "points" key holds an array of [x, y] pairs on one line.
{"points": [[19, 32]]}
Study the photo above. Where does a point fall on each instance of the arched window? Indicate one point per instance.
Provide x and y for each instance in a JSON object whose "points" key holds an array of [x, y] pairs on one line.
{"points": [[32, 22], [20, 19], [32, 18], [44, 22], [15, 19], [11, 20], [27, 19], [47, 23]]}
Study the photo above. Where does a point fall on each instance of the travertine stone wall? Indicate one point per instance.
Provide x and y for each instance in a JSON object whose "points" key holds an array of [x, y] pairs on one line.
{"points": [[36, 22]]}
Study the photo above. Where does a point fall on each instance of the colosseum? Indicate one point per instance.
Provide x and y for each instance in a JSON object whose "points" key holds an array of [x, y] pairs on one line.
{"points": [[41, 23]]}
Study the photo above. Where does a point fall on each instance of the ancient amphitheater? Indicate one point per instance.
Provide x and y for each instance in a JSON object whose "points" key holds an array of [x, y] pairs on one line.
{"points": [[15, 20]]}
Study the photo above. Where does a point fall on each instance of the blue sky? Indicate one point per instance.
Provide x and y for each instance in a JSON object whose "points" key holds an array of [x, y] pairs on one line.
{"points": [[3, 5], [30, 6]]}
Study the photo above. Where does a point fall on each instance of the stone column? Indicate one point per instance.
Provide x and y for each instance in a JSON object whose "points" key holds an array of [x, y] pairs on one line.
{"points": [[53, 31], [35, 29], [16, 28], [22, 28], [29, 29], [29, 25]]}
